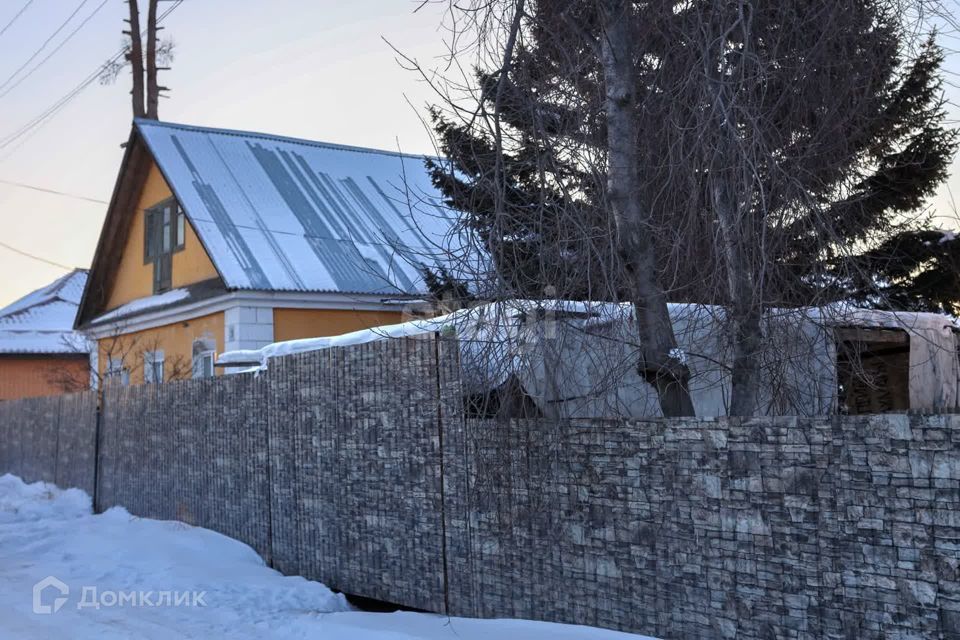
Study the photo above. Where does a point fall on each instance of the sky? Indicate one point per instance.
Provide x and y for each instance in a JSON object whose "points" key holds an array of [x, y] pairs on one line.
{"points": [[316, 69]]}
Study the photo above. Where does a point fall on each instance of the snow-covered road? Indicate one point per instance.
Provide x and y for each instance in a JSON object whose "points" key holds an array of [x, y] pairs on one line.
{"points": [[117, 576]]}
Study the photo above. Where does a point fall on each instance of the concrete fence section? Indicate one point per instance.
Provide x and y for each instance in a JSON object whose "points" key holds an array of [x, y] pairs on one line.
{"points": [[357, 467]]}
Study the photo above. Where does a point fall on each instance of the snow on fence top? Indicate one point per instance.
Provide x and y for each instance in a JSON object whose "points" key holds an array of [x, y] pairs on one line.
{"points": [[580, 357]]}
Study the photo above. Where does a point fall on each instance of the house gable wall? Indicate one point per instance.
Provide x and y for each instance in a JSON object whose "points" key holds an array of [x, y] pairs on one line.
{"points": [[134, 279]]}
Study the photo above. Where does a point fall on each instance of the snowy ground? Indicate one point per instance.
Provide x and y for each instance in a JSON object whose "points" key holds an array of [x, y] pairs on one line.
{"points": [[140, 569]]}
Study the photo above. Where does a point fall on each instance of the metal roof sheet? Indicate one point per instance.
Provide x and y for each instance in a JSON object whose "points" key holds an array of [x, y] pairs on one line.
{"points": [[282, 214], [42, 321]]}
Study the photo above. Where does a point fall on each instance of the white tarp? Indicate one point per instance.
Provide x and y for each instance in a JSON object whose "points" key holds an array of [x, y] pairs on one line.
{"points": [[578, 359]]}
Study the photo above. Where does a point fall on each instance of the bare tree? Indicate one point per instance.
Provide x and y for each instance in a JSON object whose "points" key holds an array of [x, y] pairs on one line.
{"points": [[153, 88], [605, 164], [135, 58], [706, 151], [659, 365], [143, 60]]}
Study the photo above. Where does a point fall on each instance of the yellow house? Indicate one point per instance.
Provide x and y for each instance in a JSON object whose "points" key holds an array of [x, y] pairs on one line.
{"points": [[217, 240]]}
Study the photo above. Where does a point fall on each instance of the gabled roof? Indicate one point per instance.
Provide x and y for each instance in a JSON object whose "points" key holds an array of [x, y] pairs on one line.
{"points": [[42, 321], [282, 214]]}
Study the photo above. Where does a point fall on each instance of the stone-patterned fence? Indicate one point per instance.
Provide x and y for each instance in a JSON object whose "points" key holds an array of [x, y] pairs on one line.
{"points": [[51, 439], [355, 466], [328, 464], [770, 528]]}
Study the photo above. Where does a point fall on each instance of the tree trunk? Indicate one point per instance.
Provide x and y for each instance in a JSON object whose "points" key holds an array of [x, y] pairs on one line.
{"points": [[744, 313], [660, 363], [136, 60], [741, 237], [153, 90]]}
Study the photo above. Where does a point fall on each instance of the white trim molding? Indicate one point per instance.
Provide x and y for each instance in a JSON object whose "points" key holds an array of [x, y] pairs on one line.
{"points": [[255, 300]]}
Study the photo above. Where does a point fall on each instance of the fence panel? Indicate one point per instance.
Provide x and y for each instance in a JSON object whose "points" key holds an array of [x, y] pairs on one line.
{"points": [[837, 527], [356, 451], [11, 444], [30, 437], [76, 452]]}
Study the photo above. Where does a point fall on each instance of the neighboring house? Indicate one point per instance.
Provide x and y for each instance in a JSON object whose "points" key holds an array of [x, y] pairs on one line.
{"points": [[221, 240], [40, 353]]}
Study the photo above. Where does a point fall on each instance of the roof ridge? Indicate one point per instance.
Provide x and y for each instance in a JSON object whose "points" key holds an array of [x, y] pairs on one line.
{"points": [[45, 295], [142, 122]]}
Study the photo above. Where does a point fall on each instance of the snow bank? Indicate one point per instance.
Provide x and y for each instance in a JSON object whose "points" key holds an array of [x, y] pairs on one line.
{"points": [[21, 502], [47, 532]]}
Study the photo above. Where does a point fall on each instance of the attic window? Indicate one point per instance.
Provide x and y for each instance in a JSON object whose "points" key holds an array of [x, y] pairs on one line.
{"points": [[163, 235]]}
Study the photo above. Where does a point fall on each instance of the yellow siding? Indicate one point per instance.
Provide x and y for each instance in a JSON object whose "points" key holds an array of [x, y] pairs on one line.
{"points": [[175, 340], [292, 324], [135, 279]]}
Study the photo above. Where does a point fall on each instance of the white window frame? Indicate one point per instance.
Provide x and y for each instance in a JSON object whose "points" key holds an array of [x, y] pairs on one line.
{"points": [[116, 372], [203, 364], [153, 367]]}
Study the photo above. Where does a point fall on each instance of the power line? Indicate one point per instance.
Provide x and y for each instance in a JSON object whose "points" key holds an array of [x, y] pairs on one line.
{"points": [[32, 256], [16, 17], [63, 42], [23, 185], [45, 43], [57, 106]]}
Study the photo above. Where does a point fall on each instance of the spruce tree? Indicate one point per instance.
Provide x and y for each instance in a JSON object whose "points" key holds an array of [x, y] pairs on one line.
{"points": [[855, 231]]}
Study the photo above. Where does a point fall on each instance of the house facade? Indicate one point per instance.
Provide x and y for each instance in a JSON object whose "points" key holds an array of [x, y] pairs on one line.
{"points": [[40, 353], [217, 240]]}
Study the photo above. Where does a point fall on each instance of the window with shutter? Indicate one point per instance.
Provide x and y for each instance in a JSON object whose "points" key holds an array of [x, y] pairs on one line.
{"points": [[164, 232]]}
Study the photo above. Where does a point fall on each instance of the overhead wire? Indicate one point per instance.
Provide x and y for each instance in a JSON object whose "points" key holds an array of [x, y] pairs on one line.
{"points": [[34, 256], [56, 49], [16, 17], [37, 122], [23, 185], [59, 104], [44, 45]]}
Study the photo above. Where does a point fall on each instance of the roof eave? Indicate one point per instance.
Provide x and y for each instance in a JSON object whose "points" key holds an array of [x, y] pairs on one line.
{"points": [[96, 284]]}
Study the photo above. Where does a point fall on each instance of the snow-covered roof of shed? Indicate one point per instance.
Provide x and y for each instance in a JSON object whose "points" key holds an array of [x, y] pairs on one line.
{"points": [[42, 321], [283, 214]]}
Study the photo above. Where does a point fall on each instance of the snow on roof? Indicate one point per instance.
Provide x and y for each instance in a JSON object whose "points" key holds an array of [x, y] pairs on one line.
{"points": [[277, 213], [42, 321], [144, 304]]}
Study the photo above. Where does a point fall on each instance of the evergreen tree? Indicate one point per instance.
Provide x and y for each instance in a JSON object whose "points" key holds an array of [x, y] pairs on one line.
{"points": [[844, 226]]}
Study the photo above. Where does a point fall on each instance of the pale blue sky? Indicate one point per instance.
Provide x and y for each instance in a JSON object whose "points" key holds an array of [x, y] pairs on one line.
{"points": [[316, 69]]}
